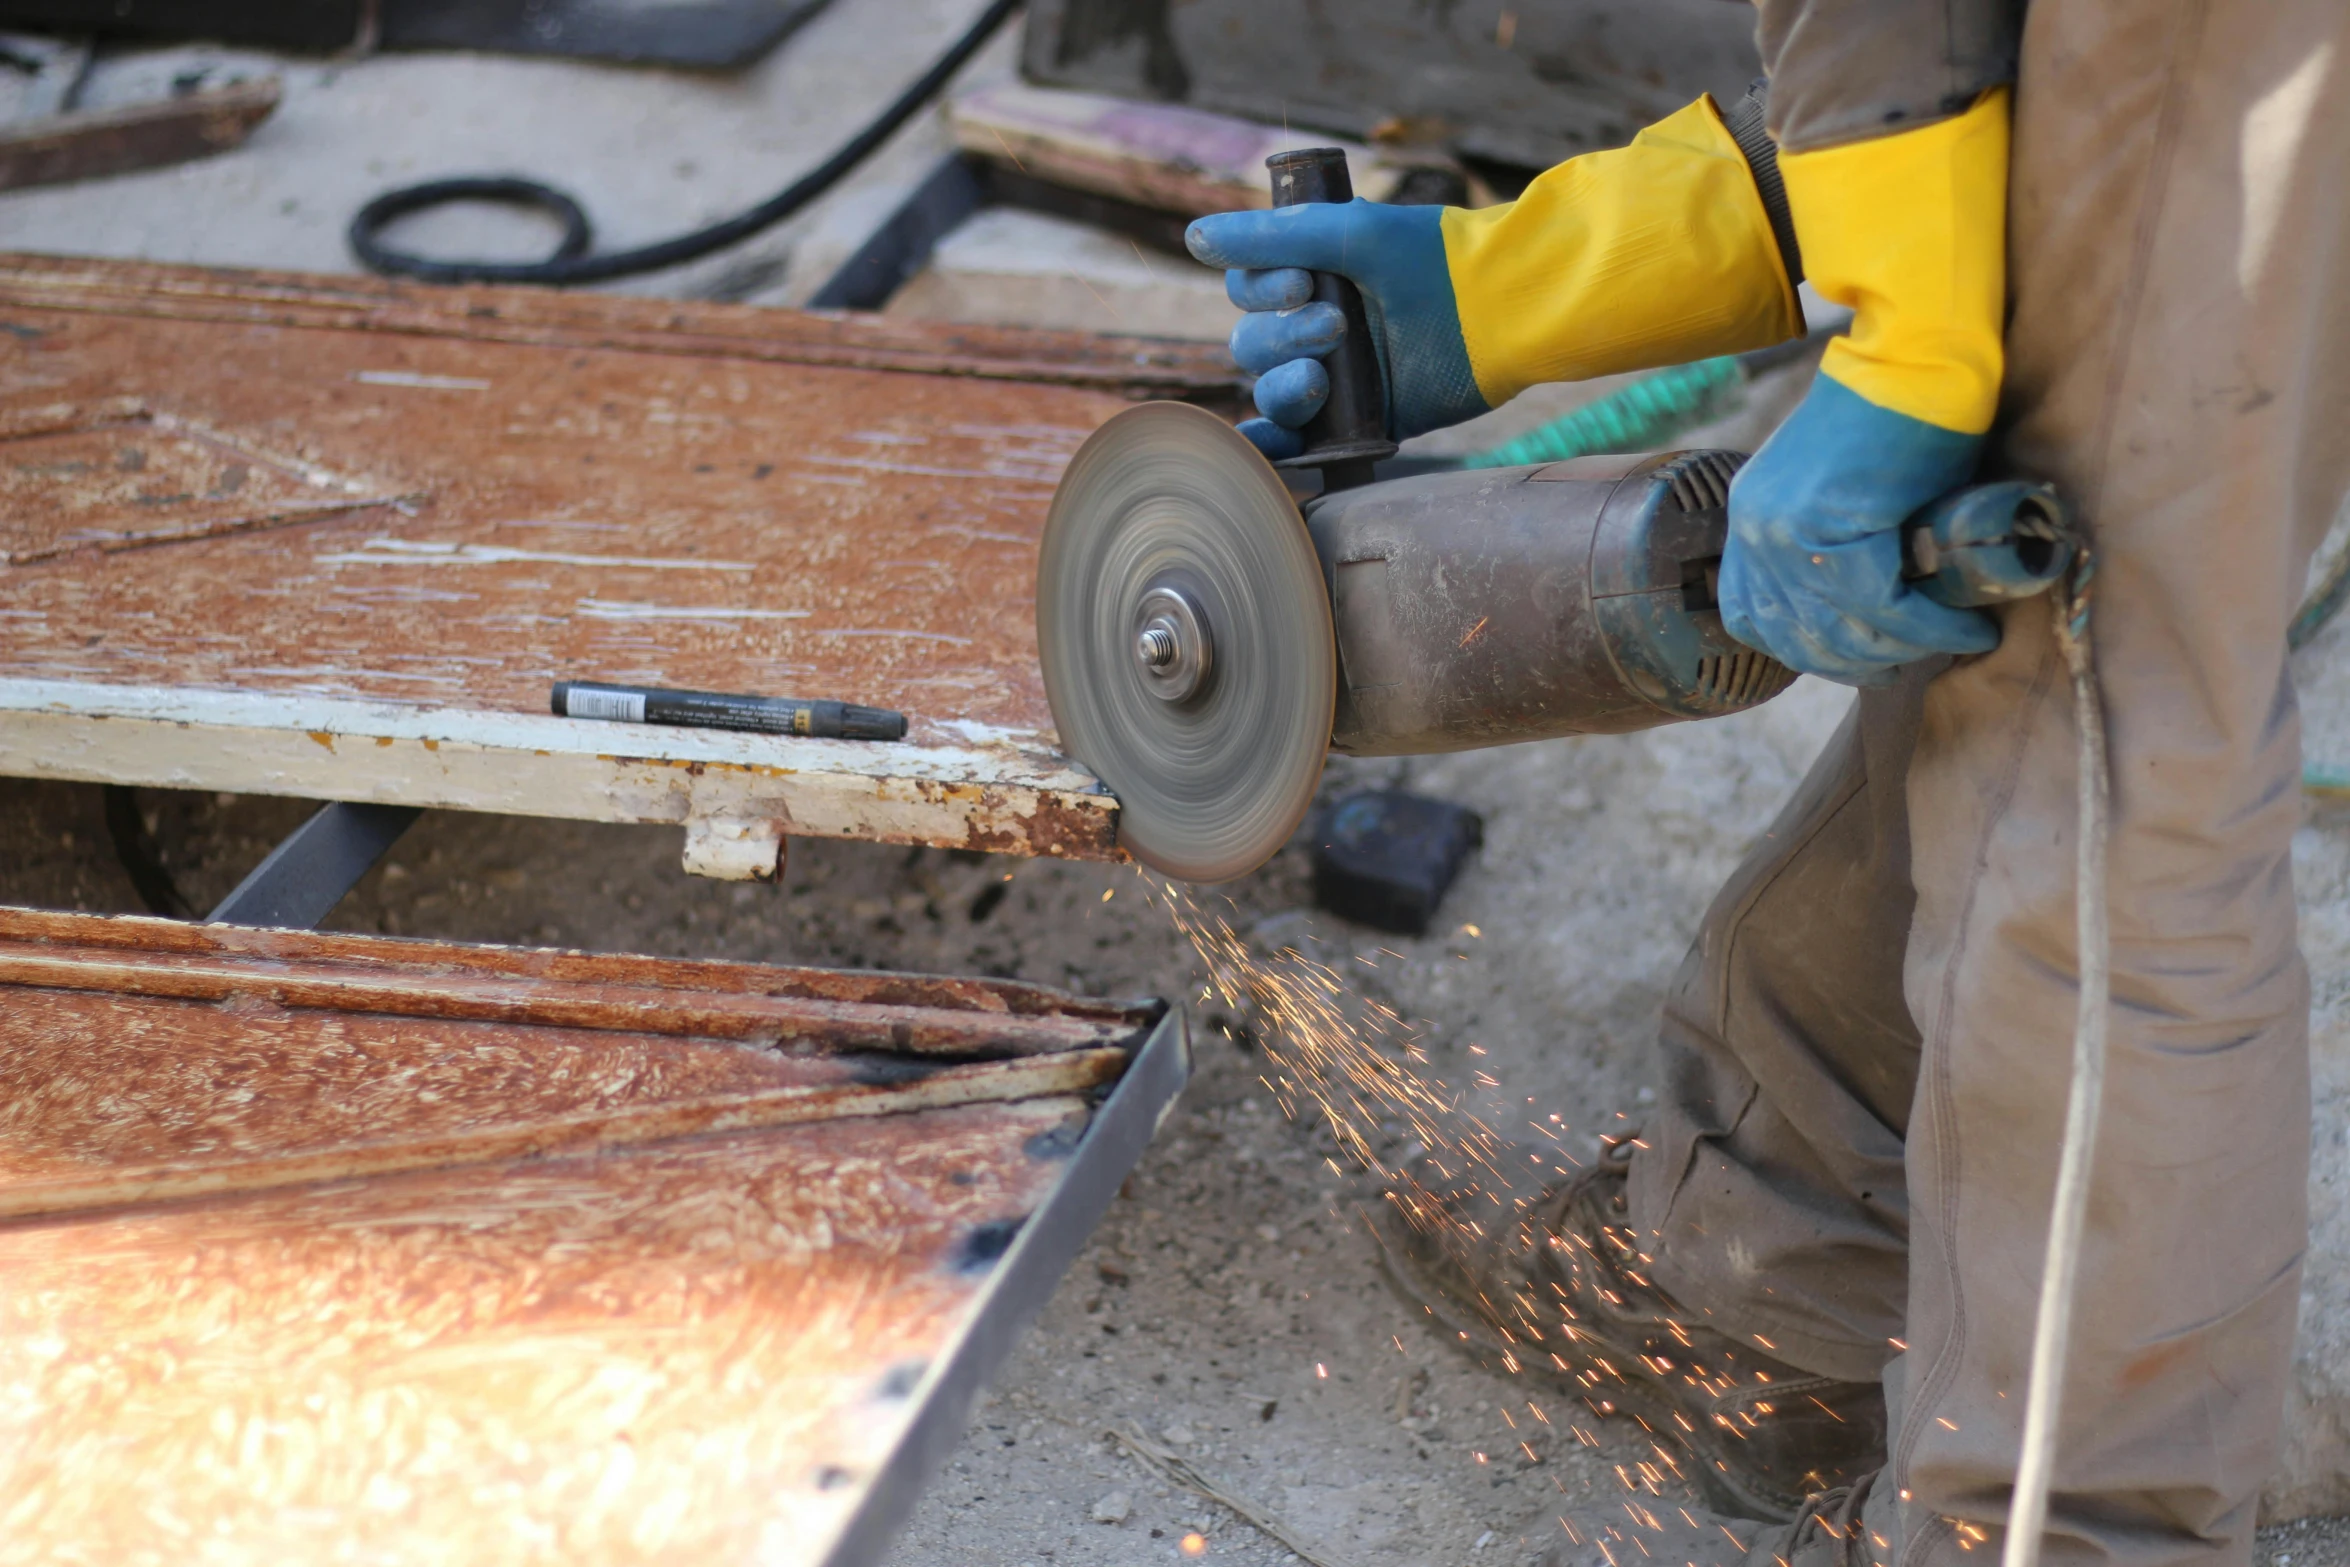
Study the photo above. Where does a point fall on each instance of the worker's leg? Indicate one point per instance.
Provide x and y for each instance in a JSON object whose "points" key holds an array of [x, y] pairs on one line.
{"points": [[1771, 1192], [2179, 363]]}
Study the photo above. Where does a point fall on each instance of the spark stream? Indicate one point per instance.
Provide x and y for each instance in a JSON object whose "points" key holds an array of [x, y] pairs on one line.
{"points": [[1350, 1057]]}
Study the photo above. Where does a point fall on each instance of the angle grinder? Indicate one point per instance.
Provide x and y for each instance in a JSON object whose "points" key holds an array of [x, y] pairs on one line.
{"points": [[1207, 642]]}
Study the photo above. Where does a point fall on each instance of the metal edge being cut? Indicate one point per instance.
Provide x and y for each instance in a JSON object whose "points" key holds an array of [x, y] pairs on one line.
{"points": [[1167, 505], [1023, 1280]]}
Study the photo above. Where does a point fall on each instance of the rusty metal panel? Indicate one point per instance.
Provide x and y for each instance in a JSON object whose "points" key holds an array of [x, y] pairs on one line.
{"points": [[441, 501], [723, 525], [119, 478], [1132, 367], [308, 1259]]}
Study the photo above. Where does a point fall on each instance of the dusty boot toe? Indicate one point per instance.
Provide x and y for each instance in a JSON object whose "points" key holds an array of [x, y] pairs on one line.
{"points": [[1647, 1531], [1544, 1277]]}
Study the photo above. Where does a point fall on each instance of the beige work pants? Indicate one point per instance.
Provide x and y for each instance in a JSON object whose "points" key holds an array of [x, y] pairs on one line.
{"points": [[1867, 1052]]}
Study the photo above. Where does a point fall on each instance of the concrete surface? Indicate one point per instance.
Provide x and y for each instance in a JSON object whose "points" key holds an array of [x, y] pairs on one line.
{"points": [[1229, 1307], [649, 153]]}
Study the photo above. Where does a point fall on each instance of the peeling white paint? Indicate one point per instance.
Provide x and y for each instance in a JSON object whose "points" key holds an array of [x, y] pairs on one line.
{"points": [[429, 383], [879, 631], [978, 733], [382, 551], [622, 609], [531, 764]]}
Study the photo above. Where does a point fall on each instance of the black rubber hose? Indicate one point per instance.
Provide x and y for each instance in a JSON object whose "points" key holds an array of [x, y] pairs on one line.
{"points": [[571, 263]]}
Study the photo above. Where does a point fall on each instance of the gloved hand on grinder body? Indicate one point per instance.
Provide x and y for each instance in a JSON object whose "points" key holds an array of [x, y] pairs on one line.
{"points": [[1909, 230], [1650, 254]]}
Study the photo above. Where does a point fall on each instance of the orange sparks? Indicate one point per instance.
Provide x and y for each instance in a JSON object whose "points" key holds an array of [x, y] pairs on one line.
{"points": [[1346, 1056], [1195, 1545]]}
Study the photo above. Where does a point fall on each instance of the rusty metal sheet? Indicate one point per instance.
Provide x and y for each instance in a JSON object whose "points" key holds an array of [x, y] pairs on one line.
{"points": [[295, 1277], [1131, 367], [445, 500], [115, 479]]}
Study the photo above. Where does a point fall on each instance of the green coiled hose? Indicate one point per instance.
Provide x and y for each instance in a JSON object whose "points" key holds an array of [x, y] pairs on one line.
{"points": [[1642, 416]]}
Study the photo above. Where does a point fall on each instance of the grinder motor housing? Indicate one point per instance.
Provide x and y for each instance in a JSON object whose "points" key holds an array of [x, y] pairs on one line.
{"points": [[1491, 606]]}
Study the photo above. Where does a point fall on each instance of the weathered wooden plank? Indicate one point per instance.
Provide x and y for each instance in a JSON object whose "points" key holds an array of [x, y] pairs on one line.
{"points": [[1165, 155], [89, 143]]}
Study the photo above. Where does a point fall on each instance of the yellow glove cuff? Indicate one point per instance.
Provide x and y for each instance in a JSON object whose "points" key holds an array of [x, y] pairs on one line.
{"points": [[1652, 254], [1910, 231]]}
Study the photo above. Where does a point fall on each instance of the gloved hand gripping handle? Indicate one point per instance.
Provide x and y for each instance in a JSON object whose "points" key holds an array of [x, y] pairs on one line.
{"points": [[1350, 433]]}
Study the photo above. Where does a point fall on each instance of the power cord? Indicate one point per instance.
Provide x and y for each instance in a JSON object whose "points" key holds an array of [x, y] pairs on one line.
{"points": [[2060, 1272], [571, 261]]}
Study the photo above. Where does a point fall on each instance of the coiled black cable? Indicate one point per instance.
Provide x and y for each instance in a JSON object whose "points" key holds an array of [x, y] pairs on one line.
{"points": [[570, 261]]}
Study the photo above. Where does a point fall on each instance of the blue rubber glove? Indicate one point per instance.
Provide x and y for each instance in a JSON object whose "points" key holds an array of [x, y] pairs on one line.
{"points": [[1395, 256], [1812, 571]]}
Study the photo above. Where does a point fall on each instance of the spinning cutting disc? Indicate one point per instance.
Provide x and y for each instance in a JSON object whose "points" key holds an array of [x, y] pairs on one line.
{"points": [[1186, 640]]}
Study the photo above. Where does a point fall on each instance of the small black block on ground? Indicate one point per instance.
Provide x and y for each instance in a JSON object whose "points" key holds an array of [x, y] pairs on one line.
{"points": [[1384, 858]]}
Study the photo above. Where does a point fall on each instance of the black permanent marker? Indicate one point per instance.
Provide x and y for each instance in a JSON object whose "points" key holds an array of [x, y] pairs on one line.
{"points": [[773, 715]]}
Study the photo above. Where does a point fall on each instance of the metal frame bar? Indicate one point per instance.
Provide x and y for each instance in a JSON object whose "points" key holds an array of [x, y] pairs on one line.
{"points": [[303, 878], [1024, 1280], [952, 190], [958, 186]]}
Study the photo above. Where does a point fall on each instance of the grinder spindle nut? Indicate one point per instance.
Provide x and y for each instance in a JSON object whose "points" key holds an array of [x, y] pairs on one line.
{"points": [[1172, 643]]}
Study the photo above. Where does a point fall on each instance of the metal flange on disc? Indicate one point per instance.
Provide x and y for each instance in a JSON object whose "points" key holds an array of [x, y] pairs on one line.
{"points": [[1186, 640]]}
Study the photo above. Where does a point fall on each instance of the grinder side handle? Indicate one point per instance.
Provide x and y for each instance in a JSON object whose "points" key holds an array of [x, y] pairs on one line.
{"points": [[1350, 433]]}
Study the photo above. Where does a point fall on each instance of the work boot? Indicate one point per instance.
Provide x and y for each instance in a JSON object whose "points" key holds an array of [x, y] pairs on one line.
{"points": [[1648, 1531], [1551, 1285]]}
